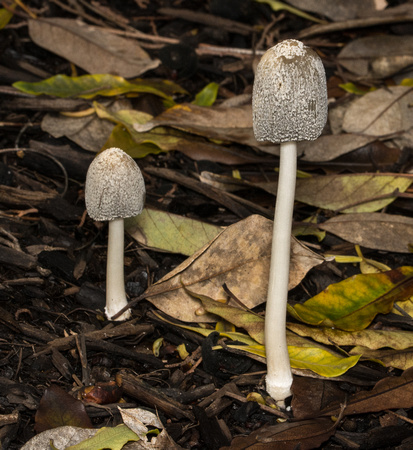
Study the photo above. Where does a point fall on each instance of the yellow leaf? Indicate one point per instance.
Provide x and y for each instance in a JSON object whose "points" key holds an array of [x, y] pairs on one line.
{"points": [[399, 359], [315, 359], [372, 339], [353, 303]]}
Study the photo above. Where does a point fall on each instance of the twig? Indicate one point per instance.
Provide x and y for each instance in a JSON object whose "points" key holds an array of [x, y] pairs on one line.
{"points": [[354, 23], [55, 160]]}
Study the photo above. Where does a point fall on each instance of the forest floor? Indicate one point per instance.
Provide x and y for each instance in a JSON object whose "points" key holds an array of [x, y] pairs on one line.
{"points": [[63, 363]]}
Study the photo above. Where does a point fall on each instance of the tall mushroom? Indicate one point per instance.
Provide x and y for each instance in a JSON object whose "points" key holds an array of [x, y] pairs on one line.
{"points": [[289, 104], [114, 190]]}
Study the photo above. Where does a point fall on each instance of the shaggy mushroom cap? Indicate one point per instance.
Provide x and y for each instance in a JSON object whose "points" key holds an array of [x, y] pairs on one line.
{"points": [[115, 188], [289, 99]]}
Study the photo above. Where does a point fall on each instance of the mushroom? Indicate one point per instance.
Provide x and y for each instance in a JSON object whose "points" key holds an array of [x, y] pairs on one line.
{"points": [[289, 104], [114, 190]]}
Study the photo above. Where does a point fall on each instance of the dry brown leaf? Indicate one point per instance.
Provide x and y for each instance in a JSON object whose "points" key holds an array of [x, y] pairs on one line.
{"points": [[225, 124], [379, 113], [239, 257], [305, 435], [373, 230], [329, 147], [378, 56], [92, 48], [89, 132], [310, 395], [388, 393]]}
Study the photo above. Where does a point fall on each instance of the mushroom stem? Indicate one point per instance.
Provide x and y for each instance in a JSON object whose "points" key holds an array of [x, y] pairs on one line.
{"points": [[115, 284], [279, 377]]}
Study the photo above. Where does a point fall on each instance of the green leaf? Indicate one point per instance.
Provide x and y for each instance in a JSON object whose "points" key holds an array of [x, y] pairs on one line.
{"points": [[170, 232], [107, 438], [121, 138], [207, 96], [278, 6], [6, 15], [89, 86], [353, 89], [354, 193], [353, 303]]}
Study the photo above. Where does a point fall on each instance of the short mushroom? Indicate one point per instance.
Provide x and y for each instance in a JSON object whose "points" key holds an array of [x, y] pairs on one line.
{"points": [[289, 104], [115, 190]]}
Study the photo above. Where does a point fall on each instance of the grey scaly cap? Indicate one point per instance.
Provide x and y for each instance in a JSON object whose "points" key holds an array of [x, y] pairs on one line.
{"points": [[289, 99], [115, 187]]}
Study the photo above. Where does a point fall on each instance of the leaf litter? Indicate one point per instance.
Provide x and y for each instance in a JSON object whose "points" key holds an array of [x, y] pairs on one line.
{"points": [[189, 132]]}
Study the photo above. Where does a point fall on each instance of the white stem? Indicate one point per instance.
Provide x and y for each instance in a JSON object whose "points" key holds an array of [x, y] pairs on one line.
{"points": [[279, 377], [115, 284]]}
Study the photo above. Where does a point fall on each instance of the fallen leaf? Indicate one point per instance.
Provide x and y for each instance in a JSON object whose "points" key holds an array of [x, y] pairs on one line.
{"points": [[381, 112], [302, 229], [113, 438], [378, 56], [216, 123], [303, 353], [138, 420], [90, 133], [392, 233], [62, 437], [169, 232], [305, 435], [399, 359], [319, 361], [90, 86], [355, 89], [207, 96], [240, 257], [58, 408], [162, 139], [6, 15], [351, 193], [77, 42], [388, 393], [329, 146], [310, 395], [353, 303], [371, 339]]}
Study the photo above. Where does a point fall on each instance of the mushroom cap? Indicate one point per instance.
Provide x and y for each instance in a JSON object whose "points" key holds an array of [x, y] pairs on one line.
{"points": [[289, 99], [114, 188]]}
